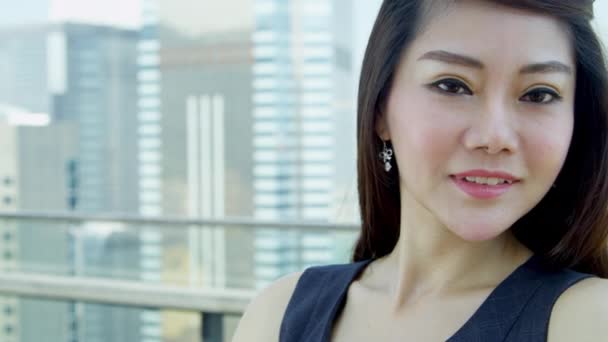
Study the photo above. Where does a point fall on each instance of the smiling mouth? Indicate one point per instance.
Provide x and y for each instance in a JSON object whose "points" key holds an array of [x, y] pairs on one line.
{"points": [[488, 177], [483, 188], [487, 180]]}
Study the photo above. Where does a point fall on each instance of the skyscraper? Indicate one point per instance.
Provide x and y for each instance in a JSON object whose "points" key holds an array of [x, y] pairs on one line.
{"points": [[83, 75], [86, 75], [195, 138], [302, 70], [31, 155], [149, 156], [207, 164]]}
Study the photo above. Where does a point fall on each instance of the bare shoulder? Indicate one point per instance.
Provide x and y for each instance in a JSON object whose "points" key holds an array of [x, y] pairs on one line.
{"points": [[581, 313], [262, 318]]}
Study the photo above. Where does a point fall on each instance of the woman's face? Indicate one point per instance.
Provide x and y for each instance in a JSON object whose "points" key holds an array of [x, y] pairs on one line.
{"points": [[483, 87]]}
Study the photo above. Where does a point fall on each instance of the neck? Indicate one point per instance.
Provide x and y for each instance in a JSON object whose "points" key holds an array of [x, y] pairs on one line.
{"points": [[430, 261]]}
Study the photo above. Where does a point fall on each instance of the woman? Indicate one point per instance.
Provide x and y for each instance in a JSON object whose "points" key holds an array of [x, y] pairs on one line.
{"points": [[485, 217]]}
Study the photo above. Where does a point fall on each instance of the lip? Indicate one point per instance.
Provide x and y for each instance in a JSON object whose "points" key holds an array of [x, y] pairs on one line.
{"points": [[484, 191], [486, 173]]}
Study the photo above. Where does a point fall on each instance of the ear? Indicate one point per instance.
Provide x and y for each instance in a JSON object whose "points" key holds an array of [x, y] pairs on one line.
{"points": [[382, 127]]}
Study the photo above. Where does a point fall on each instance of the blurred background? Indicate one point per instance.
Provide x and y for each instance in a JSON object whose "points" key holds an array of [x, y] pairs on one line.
{"points": [[163, 160]]}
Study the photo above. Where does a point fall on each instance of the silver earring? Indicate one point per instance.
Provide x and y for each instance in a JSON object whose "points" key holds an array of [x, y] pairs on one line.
{"points": [[385, 156]]}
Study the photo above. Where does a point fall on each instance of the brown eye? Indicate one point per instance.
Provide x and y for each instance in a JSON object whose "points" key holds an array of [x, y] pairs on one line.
{"points": [[541, 96], [451, 86]]}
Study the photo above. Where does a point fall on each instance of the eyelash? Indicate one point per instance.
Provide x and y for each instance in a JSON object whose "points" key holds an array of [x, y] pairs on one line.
{"points": [[455, 82]]}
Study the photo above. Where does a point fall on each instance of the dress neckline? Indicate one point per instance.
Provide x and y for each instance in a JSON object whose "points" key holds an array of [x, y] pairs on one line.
{"points": [[505, 291]]}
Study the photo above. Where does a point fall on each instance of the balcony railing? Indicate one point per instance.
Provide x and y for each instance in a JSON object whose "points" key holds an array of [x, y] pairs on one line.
{"points": [[209, 267]]}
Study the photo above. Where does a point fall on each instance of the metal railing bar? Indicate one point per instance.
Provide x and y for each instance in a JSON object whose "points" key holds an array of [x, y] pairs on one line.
{"points": [[125, 293], [177, 222]]}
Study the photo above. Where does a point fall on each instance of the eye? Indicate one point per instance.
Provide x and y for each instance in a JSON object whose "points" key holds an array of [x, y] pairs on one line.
{"points": [[451, 86], [541, 96]]}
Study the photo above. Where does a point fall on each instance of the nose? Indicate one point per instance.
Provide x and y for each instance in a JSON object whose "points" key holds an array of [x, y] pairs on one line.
{"points": [[492, 130]]}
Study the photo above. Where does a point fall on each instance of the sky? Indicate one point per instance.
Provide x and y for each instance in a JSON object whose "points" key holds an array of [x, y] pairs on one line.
{"points": [[187, 15], [23, 11], [601, 19], [123, 13], [195, 17], [127, 13]]}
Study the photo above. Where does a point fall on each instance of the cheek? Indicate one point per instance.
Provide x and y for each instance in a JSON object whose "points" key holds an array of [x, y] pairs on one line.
{"points": [[547, 150], [423, 136]]}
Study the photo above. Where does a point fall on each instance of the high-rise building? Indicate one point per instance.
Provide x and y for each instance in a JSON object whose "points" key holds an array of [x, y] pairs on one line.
{"points": [[149, 157], [195, 140], [238, 126], [207, 154], [84, 75], [30, 157], [302, 100], [9, 243]]}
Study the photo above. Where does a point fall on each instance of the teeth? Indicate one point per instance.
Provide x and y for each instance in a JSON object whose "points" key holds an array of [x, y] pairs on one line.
{"points": [[487, 180]]}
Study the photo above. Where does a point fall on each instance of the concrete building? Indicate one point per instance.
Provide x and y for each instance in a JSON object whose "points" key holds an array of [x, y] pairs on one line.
{"points": [[30, 157]]}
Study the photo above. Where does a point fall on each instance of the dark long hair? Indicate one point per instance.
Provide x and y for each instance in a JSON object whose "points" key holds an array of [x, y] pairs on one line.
{"points": [[569, 226]]}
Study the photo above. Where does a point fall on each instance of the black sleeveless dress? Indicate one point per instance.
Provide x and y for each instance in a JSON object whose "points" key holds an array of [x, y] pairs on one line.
{"points": [[518, 309]]}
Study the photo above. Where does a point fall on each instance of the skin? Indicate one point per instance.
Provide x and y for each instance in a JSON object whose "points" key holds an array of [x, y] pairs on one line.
{"points": [[454, 249], [445, 115]]}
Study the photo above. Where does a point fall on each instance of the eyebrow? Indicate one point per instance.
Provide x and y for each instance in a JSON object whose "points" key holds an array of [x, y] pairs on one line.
{"points": [[535, 68]]}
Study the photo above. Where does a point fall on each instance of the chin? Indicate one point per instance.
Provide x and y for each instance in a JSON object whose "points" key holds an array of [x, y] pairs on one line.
{"points": [[478, 232]]}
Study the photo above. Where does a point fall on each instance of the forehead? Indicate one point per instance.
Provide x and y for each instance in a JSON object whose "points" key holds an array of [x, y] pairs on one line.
{"points": [[490, 31]]}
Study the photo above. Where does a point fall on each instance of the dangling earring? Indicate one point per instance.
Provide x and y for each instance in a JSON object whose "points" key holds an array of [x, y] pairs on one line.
{"points": [[385, 156]]}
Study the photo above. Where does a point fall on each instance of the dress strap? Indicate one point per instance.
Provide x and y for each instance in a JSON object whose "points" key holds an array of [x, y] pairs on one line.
{"points": [[318, 296]]}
